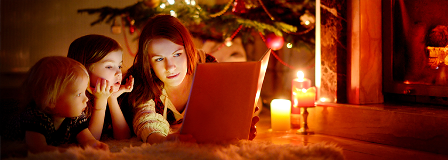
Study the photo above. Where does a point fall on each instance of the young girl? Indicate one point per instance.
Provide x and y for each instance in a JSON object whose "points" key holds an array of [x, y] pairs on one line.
{"points": [[103, 58], [55, 96], [163, 70]]}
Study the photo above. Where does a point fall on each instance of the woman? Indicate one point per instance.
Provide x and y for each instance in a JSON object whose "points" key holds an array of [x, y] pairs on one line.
{"points": [[163, 72]]}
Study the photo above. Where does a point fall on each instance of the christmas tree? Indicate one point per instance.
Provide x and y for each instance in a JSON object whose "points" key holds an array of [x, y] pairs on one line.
{"points": [[278, 22]]}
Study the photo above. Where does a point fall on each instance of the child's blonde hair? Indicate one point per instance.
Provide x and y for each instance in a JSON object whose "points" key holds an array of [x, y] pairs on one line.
{"points": [[47, 79]]}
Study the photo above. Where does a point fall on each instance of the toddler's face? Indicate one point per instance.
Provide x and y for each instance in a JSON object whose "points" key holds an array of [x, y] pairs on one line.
{"points": [[108, 68], [168, 60], [73, 99]]}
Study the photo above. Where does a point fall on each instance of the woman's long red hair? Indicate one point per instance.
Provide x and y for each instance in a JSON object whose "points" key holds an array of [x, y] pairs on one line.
{"points": [[147, 84]]}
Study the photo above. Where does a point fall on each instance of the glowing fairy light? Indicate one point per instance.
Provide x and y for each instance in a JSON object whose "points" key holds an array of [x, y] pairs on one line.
{"points": [[171, 2], [289, 45], [192, 2], [173, 13], [307, 22], [187, 2], [162, 5], [228, 42]]}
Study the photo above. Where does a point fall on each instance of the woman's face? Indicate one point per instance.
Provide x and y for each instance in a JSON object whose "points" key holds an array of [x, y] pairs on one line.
{"points": [[108, 68], [168, 60]]}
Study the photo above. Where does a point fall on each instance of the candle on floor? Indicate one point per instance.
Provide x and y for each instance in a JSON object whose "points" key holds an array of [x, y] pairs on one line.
{"points": [[280, 115]]}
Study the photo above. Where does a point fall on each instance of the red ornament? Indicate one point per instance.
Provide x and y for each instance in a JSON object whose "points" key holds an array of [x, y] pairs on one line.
{"points": [[131, 24], [132, 29], [274, 42], [239, 7]]}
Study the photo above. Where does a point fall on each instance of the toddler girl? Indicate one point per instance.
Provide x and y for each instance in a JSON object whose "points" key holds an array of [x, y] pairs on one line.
{"points": [[103, 58], [55, 97]]}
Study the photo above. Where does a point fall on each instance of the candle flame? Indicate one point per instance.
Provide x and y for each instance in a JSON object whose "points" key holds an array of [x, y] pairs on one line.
{"points": [[304, 90], [300, 75]]}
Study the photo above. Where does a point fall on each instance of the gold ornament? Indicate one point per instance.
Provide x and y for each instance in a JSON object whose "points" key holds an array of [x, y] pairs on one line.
{"points": [[152, 3], [116, 27]]}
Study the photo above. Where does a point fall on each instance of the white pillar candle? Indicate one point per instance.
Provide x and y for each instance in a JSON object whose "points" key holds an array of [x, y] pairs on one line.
{"points": [[280, 115]]}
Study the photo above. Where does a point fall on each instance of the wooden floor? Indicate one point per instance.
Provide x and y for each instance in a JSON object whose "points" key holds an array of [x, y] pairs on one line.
{"points": [[352, 149]]}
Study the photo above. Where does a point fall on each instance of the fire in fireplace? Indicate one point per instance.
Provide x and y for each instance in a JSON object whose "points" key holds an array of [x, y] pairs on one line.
{"points": [[415, 49]]}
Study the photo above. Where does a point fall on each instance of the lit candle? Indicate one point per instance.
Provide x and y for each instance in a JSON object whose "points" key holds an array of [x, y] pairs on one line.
{"points": [[304, 97], [280, 115], [297, 86]]}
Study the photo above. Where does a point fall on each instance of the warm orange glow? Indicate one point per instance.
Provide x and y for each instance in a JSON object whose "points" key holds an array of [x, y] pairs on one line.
{"points": [[304, 90], [323, 99], [307, 22], [280, 115], [304, 97], [300, 75]]}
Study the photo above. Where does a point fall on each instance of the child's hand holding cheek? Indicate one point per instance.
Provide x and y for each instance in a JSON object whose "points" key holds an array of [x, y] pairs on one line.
{"points": [[124, 88], [102, 91]]}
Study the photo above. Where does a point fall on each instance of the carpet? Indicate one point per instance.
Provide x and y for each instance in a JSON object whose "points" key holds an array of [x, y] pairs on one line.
{"points": [[133, 149]]}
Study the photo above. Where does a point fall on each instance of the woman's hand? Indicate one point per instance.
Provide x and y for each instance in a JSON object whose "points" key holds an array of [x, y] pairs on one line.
{"points": [[125, 88], [253, 128]]}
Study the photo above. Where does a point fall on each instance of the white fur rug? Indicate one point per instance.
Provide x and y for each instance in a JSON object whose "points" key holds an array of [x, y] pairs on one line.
{"points": [[133, 149]]}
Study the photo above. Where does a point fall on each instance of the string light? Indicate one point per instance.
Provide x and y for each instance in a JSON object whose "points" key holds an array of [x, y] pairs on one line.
{"points": [[228, 42], [229, 38], [266, 10], [173, 13], [222, 11], [307, 20]]}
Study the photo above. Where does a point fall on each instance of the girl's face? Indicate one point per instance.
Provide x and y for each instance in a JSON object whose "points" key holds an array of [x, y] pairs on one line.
{"points": [[108, 68], [168, 60], [73, 100]]}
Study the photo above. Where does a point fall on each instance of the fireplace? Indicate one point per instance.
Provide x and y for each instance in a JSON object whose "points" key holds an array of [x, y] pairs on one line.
{"points": [[415, 61]]}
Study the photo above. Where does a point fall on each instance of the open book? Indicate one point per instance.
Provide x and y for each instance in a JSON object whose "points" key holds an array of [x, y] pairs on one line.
{"points": [[222, 100]]}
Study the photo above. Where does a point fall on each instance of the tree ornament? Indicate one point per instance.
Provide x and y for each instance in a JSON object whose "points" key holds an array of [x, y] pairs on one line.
{"points": [[274, 41], [116, 27], [132, 29], [151, 3], [239, 7], [131, 22], [307, 20]]}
